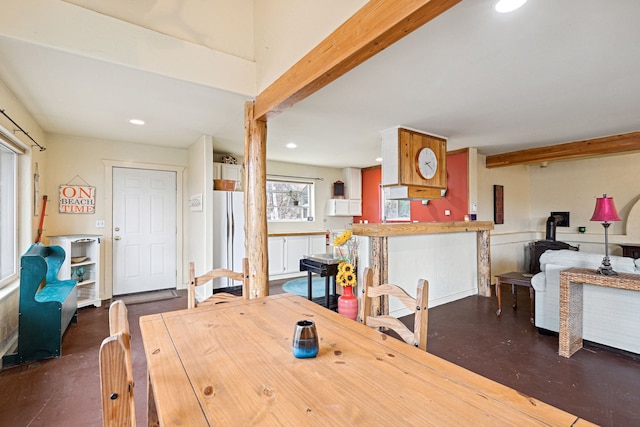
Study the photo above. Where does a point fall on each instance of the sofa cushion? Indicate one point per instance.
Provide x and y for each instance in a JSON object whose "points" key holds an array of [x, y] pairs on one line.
{"points": [[568, 258]]}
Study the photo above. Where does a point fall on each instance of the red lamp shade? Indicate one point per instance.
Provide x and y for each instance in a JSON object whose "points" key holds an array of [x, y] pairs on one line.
{"points": [[605, 210]]}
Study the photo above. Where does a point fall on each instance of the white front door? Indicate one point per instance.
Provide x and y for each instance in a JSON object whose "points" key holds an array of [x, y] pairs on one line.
{"points": [[144, 230]]}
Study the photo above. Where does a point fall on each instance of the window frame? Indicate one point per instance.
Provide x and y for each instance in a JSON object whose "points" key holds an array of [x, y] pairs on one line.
{"points": [[310, 206], [383, 208], [11, 149]]}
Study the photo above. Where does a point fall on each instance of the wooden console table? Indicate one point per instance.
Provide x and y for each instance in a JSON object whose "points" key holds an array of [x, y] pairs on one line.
{"points": [[571, 282]]}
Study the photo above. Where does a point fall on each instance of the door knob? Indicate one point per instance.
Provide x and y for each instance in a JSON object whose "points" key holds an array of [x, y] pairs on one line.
{"points": [[116, 238]]}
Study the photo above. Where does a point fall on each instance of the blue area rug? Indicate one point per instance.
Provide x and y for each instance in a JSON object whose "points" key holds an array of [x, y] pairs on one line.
{"points": [[299, 286]]}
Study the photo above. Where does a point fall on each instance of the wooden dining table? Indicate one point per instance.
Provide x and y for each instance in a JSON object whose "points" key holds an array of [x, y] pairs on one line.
{"points": [[232, 364]]}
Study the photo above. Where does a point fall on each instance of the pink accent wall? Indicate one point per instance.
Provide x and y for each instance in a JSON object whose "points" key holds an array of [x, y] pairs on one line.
{"points": [[456, 199]]}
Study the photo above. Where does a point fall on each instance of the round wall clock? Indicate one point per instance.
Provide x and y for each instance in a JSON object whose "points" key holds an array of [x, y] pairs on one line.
{"points": [[427, 163]]}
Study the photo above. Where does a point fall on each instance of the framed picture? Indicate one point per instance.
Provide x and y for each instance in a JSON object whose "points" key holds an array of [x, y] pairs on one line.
{"points": [[498, 204]]}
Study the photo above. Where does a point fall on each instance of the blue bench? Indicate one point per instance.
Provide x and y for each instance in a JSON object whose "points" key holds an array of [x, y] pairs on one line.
{"points": [[47, 305]]}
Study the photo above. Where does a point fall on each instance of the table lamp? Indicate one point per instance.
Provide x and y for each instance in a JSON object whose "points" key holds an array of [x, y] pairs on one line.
{"points": [[605, 211]]}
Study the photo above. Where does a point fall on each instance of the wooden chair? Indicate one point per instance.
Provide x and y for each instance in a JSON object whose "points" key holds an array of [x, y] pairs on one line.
{"points": [[116, 370], [219, 297], [418, 305]]}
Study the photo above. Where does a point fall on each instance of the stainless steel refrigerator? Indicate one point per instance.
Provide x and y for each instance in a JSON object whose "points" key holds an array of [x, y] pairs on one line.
{"points": [[228, 234]]}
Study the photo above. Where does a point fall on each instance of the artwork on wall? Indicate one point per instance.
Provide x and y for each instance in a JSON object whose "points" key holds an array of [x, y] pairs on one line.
{"points": [[498, 204]]}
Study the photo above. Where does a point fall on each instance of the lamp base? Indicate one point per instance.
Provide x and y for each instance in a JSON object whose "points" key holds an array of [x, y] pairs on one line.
{"points": [[605, 268]]}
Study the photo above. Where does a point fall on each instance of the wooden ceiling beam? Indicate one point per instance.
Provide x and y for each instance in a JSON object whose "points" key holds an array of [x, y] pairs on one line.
{"points": [[374, 27], [572, 150]]}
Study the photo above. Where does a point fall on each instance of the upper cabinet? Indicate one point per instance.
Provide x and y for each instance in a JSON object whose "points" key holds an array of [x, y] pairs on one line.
{"points": [[228, 171], [351, 205], [353, 183], [414, 164]]}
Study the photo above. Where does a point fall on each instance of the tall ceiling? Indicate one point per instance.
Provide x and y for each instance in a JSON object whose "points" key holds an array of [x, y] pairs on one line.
{"points": [[551, 72]]}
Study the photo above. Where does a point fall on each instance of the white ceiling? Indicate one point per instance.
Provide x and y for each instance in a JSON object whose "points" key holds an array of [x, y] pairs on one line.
{"points": [[551, 72]]}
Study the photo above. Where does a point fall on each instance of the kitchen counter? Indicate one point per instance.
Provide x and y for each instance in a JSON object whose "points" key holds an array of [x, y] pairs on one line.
{"points": [[298, 233], [411, 228], [453, 256]]}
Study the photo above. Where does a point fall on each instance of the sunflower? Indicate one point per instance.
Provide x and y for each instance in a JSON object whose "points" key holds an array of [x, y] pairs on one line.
{"points": [[345, 267], [349, 279], [346, 274], [342, 238], [340, 278]]}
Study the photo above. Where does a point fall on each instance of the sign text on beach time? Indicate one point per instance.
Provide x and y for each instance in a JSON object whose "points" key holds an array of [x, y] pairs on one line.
{"points": [[78, 199]]}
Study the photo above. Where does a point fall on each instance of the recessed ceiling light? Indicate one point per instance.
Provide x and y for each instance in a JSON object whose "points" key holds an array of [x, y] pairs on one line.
{"points": [[505, 6], [291, 145], [378, 159], [136, 122]]}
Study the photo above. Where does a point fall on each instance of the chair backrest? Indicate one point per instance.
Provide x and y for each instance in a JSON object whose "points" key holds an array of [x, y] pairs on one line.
{"points": [[220, 297], [418, 305], [116, 371], [118, 318]]}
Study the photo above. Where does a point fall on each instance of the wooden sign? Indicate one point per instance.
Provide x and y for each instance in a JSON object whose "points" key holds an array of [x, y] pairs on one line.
{"points": [[77, 199], [498, 204]]}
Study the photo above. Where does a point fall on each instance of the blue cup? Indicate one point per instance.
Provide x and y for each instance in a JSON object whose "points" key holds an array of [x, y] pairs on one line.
{"points": [[305, 340]]}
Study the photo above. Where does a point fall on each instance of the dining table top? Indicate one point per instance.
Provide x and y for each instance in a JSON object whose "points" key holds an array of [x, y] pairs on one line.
{"points": [[232, 364]]}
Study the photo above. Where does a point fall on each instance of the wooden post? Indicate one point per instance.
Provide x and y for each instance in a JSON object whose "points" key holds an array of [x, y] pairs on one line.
{"points": [[379, 265], [484, 263], [255, 202]]}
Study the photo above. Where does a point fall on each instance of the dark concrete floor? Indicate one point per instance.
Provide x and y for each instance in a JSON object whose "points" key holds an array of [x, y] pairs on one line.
{"points": [[598, 384]]}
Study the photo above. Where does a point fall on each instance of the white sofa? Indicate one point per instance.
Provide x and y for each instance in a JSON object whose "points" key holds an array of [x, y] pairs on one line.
{"points": [[610, 316]]}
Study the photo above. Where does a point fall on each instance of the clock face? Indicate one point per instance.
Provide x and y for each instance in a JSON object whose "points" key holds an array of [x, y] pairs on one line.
{"points": [[427, 163]]}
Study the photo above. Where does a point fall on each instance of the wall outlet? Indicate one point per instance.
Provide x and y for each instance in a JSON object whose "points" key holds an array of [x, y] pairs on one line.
{"points": [[447, 212], [100, 223], [474, 208]]}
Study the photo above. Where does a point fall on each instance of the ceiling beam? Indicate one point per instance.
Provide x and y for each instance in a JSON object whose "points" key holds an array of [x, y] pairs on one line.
{"points": [[572, 150], [374, 27]]}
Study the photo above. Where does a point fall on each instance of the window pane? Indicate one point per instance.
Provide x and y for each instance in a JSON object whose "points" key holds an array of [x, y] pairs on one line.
{"points": [[7, 213], [395, 210], [289, 201]]}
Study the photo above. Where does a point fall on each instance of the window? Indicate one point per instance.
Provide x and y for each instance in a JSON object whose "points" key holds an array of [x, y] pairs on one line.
{"points": [[395, 210], [289, 201], [8, 217]]}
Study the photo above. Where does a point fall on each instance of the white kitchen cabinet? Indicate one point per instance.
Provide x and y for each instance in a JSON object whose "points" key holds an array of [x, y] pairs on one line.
{"points": [[355, 207], [344, 207], [276, 248], [353, 183], [296, 248], [228, 171], [81, 263], [318, 244], [338, 207], [285, 252]]}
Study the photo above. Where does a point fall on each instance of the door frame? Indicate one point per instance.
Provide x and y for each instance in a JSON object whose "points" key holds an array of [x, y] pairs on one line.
{"points": [[107, 291]]}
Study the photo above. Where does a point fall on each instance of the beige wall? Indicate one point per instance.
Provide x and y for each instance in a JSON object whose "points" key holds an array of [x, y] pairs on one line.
{"points": [[285, 30], [27, 221], [76, 160], [574, 185], [532, 192], [509, 240], [226, 26], [322, 192]]}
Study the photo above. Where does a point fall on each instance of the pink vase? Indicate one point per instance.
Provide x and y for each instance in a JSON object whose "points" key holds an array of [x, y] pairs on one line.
{"points": [[348, 303]]}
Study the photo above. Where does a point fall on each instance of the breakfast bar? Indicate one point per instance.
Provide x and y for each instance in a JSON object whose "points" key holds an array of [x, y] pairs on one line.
{"points": [[453, 256]]}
